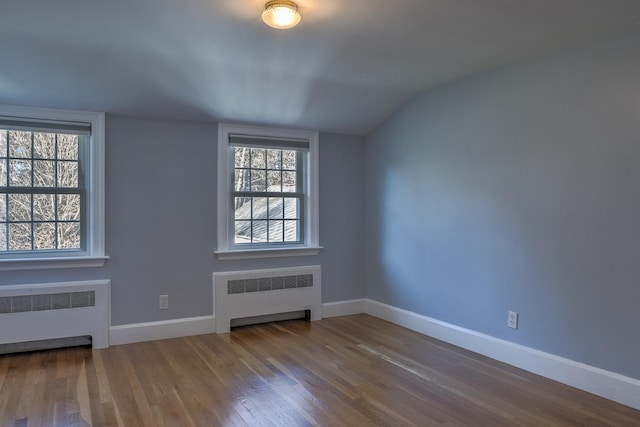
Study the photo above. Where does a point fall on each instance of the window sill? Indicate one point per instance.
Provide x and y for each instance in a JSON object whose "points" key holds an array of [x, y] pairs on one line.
{"points": [[8, 264], [267, 253]]}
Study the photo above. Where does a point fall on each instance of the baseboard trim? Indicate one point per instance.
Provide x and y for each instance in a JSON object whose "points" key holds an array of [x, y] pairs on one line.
{"points": [[610, 385], [343, 308], [150, 331]]}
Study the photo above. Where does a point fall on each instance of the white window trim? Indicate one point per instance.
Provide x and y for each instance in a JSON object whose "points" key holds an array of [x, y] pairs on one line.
{"points": [[225, 250], [94, 255]]}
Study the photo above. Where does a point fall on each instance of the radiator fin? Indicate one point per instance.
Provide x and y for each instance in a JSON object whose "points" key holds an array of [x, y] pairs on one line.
{"points": [[44, 302], [264, 284]]}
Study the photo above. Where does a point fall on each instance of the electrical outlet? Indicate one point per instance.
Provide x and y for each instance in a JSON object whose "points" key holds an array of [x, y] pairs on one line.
{"points": [[512, 321], [164, 302]]}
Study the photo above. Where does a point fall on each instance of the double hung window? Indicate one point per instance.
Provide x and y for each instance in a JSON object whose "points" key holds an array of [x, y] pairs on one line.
{"points": [[268, 192], [51, 188]]}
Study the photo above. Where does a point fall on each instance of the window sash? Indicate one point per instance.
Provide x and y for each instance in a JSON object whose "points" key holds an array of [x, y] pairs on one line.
{"points": [[301, 148], [301, 168], [56, 220], [82, 130], [253, 195]]}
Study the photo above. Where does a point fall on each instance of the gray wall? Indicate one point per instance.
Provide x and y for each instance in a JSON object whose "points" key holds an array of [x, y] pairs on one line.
{"points": [[519, 189], [161, 216]]}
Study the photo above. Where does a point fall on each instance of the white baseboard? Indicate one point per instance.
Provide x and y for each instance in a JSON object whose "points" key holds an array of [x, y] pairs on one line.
{"points": [[612, 386], [150, 331], [343, 308]]}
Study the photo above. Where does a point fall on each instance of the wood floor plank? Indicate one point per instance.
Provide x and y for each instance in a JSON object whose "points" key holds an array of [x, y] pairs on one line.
{"points": [[93, 393], [345, 371], [12, 390]]}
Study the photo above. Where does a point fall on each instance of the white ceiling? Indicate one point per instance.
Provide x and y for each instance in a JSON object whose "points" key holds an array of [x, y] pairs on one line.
{"points": [[341, 70]]}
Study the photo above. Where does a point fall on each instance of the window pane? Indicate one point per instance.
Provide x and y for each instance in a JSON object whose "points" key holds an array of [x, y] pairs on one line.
{"points": [[44, 145], [291, 210], [67, 147], [19, 144], [3, 143], [20, 236], [68, 207], [44, 173], [242, 180], [291, 231], [68, 174], [20, 173], [288, 160], [259, 229], [276, 207], [258, 158], [275, 231], [274, 181], [44, 208], [259, 208], [19, 207], [257, 180], [44, 235], [3, 172], [243, 208], [69, 235], [274, 159], [243, 232], [3, 236], [288, 181], [3, 206], [241, 155]]}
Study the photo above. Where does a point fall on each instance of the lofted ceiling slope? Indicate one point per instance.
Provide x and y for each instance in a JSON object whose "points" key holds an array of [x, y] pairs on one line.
{"points": [[344, 69]]}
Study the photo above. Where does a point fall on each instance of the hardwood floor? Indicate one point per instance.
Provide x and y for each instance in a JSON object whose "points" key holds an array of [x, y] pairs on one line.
{"points": [[353, 370]]}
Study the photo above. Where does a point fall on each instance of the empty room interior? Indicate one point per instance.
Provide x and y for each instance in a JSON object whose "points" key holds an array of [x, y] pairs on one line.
{"points": [[240, 212]]}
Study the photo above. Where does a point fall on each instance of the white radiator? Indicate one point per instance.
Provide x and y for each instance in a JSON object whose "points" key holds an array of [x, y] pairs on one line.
{"points": [[242, 294], [49, 311]]}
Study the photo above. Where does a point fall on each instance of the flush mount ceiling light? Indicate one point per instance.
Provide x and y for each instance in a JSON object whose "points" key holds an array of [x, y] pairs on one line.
{"points": [[281, 14]]}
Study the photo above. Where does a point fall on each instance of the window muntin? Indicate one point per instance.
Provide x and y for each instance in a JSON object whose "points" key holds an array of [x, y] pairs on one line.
{"points": [[42, 194]]}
